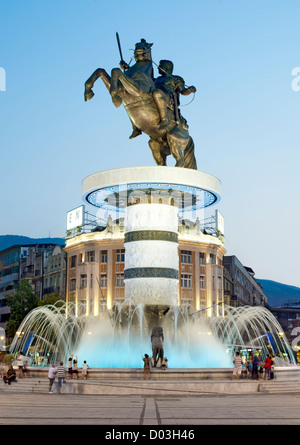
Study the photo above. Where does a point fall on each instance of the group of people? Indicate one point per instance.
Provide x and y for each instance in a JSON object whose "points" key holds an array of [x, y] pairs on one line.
{"points": [[20, 364], [60, 372], [149, 362], [255, 367], [73, 372]]}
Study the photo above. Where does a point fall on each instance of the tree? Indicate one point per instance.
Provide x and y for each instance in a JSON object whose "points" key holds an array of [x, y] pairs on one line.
{"points": [[51, 299], [21, 302]]}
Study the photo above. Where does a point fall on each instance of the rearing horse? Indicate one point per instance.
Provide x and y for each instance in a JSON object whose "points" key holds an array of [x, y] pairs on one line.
{"points": [[133, 88]]}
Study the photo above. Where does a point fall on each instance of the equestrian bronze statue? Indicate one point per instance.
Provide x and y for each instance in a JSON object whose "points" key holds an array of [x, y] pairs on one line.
{"points": [[152, 104]]}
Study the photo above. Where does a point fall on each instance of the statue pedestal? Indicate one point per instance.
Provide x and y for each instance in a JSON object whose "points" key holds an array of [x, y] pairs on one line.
{"points": [[150, 200], [151, 254]]}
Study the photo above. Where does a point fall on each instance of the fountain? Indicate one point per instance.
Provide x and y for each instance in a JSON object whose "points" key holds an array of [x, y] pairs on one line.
{"points": [[120, 338]]}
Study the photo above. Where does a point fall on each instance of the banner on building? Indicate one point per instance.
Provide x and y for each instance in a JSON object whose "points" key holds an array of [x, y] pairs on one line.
{"points": [[75, 218], [219, 222]]}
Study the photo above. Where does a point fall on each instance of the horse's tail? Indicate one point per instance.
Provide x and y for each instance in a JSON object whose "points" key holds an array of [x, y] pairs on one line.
{"points": [[189, 155]]}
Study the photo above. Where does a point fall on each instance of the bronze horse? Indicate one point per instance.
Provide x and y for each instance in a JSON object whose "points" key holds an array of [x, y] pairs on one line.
{"points": [[134, 89]]}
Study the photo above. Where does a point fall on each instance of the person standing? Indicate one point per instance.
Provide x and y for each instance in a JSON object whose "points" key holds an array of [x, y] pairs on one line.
{"points": [[272, 368], [70, 368], [255, 362], [249, 367], [267, 367], [237, 370], [75, 370], [146, 361], [84, 370], [61, 375], [51, 376], [20, 364]]}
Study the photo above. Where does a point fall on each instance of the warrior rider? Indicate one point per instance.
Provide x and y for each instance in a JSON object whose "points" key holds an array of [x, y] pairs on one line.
{"points": [[166, 94], [168, 88]]}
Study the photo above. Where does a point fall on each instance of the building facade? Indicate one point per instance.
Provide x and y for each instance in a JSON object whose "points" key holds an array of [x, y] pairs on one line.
{"points": [[10, 259], [244, 289], [54, 278], [40, 264], [95, 270]]}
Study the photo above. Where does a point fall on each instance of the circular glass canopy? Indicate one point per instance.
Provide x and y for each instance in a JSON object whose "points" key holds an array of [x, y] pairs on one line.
{"points": [[119, 196]]}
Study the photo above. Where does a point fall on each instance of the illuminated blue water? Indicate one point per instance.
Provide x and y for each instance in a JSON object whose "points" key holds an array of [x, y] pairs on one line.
{"points": [[102, 349]]}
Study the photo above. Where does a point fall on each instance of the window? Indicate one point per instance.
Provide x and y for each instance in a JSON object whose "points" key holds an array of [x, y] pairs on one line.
{"points": [[91, 281], [186, 281], [72, 285], [73, 261], [212, 258], [91, 256], [202, 282], [103, 256], [83, 280], [103, 280], [119, 280], [186, 256], [202, 258], [120, 256], [219, 283]]}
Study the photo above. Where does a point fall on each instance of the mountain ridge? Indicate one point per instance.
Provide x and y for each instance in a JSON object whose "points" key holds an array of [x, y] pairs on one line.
{"points": [[278, 293], [7, 241]]}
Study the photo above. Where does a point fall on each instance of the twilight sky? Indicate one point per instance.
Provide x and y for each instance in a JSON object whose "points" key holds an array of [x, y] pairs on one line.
{"points": [[242, 56]]}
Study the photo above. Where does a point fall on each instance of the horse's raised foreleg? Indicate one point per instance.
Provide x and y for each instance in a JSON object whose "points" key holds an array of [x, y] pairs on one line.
{"points": [[88, 92]]}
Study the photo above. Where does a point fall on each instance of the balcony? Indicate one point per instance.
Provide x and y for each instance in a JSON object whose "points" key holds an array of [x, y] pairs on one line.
{"points": [[27, 275], [51, 290]]}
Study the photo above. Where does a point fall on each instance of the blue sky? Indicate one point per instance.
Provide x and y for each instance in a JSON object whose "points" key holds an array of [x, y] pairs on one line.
{"points": [[244, 119]]}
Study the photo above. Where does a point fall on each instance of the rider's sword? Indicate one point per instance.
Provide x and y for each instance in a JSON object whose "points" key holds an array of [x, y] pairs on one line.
{"points": [[119, 45]]}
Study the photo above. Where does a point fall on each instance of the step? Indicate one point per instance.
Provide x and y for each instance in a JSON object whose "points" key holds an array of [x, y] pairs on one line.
{"points": [[26, 385], [284, 386], [134, 386]]}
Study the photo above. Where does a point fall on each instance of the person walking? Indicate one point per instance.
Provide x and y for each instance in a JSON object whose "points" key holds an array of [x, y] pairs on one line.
{"points": [[146, 360], [237, 370], [51, 376], [61, 376]]}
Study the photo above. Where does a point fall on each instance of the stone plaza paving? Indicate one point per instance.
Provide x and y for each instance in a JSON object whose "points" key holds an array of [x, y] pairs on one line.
{"points": [[159, 411]]}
